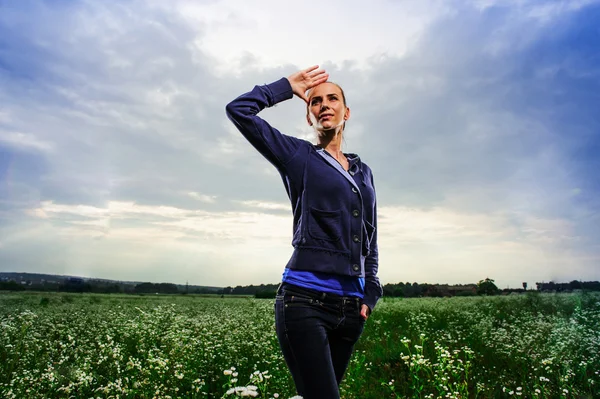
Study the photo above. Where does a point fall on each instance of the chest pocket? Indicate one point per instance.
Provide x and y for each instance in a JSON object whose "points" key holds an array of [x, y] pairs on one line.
{"points": [[325, 225]]}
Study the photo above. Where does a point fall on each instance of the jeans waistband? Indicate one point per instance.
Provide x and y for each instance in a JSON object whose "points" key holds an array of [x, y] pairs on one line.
{"points": [[314, 294]]}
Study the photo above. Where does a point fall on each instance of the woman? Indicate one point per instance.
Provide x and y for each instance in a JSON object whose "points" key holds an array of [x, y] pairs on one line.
{"points": [[330, 283]]}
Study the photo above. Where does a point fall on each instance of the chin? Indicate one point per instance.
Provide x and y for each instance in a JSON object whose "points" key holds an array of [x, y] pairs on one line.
{"points": [[328, 125]]}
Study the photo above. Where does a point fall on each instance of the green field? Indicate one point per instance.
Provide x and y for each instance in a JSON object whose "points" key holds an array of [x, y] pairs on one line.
{"points": [[117, 346]]}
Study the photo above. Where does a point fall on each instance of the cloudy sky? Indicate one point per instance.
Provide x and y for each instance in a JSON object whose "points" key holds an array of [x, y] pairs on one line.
{"points": [[479, 119]]}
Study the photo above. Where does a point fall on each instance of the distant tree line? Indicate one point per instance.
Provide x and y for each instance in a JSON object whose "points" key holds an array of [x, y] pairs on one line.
{"points": [[262, 290], [402, 290], [572, 286], [413, 290], [11, 286], [74, 284], [151, 288]]}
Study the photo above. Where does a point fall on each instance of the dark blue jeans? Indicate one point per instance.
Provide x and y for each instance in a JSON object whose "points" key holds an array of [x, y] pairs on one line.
{"points": [[317, 332]]}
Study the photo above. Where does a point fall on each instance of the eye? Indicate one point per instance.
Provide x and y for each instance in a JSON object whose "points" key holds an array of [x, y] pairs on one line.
{"points": [[315, 101]]}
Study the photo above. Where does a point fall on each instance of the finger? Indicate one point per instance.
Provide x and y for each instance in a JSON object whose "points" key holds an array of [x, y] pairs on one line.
{"points": [[310, 69], [320, 79], [316, 74], [317, 81]]}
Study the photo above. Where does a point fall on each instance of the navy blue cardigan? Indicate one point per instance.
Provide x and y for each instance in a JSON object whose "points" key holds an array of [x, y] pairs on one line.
{"points": [[335, 213]]}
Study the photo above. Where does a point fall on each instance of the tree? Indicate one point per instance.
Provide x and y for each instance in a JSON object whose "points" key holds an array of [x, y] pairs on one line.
{"points": [[11, 286], [487, 287], [75, 284]]}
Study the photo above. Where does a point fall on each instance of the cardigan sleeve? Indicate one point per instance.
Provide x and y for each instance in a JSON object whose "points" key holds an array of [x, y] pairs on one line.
{"points": [[276, 147], [373, 289]]}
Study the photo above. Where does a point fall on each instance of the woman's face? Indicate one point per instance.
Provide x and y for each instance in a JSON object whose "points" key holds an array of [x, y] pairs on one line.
{"points": [[326, 109]]}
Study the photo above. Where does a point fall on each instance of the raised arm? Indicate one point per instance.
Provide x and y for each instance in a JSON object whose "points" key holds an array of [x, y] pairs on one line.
{"points": [[278, 148]]}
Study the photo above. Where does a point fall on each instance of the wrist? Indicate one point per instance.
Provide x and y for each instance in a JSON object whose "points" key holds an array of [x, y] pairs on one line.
{"points": [[281, 90]]}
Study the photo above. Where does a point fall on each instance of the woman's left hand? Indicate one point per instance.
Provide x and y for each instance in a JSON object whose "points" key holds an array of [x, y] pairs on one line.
{"points": [[365, 311], [306, 79]]}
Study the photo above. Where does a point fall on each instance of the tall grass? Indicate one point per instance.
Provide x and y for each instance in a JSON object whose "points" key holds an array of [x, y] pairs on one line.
{"points": [[86, 346]]}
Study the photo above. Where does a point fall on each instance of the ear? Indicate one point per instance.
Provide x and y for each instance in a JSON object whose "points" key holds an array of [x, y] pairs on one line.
{"points": [[347, 114]]}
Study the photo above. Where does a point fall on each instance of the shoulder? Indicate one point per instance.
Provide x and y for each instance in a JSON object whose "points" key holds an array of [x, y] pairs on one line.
{"points": [[366, 169]]}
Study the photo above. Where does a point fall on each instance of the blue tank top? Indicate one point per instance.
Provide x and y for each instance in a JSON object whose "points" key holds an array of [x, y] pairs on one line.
{"points": [[326, 282]]}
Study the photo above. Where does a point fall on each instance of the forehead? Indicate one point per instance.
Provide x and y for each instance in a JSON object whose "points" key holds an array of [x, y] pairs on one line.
{"points": [[325, 89]]}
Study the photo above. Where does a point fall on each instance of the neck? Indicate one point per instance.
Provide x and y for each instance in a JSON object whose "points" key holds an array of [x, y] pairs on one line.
{"points": [[331, 141]]}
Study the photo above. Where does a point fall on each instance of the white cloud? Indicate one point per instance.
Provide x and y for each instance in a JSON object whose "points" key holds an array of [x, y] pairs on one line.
{"points": [[446, 245], [37, 212], [25, 141], [203, 197], [439, 244], [266, 205], [166, 222], [238, 34]]}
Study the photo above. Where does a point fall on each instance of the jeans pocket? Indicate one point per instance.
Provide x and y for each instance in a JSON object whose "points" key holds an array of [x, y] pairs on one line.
{"points": [[298, 300], [299, 313]]}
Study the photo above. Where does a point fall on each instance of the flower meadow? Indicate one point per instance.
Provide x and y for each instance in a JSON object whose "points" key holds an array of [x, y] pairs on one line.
{"points": [[55, 345]]}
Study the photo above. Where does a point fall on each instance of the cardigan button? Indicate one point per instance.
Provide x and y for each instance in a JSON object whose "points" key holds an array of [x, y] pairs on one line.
{"points": [[355, 238], [354, 190], [303, 240], [355, 267], [355, 213]]}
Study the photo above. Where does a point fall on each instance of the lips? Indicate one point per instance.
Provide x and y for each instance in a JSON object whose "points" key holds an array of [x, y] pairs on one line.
{"points": [[325, 116]]}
